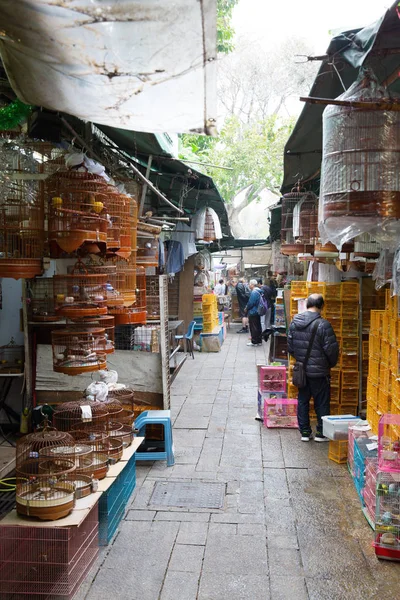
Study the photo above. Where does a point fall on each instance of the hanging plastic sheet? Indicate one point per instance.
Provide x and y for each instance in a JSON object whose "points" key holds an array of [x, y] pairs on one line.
{"points": [[144, 65], [384, 268], [360, 178]]}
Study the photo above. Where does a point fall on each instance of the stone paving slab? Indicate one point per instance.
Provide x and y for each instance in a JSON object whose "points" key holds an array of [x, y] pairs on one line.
{"points": [[291, 527]]}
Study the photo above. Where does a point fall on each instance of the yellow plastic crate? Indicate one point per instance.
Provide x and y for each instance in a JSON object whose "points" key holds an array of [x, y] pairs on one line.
{"points": [[209, 299], [373, 419], [333, 291], [372, 394], [385, 353], [374, 346], [334, 408], [337, 451], [365, 350], [350, 310], [384, 402], [349, 362], [348, 396], [333, 310], [349, 328], [373, 371], [335, 394], [335, 326], [376, 322], [298, 289], [315, 287], [350, 380], [350, 291], [349, 408], [350, 345], [393, 362], [335, 377], [292, 391], [385, 327], [384, 380]]}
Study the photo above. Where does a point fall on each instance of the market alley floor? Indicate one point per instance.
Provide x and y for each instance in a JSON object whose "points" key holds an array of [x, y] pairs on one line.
{"points": [[291, 525]]}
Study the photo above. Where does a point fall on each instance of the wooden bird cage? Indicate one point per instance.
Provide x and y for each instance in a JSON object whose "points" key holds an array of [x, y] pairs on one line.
{"points": [[134, 225], [100, 442], [137, 314], [11, 358], [45, 488], [119, 223], [80, 294], [114, 408], [125, 396], [106, 322], [77, 211], [209, 227], [77, 351], [121, 432], [299, 222], [30, 445], [70, 416], [147, 250], [42, 306], [126, 280]]}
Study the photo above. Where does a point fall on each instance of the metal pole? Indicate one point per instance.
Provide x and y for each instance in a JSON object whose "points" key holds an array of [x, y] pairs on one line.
{"points": [[27, 348], [144, 190]]}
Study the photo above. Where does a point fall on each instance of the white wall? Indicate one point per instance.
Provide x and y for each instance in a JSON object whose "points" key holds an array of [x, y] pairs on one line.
{"points": [[10, 313]]}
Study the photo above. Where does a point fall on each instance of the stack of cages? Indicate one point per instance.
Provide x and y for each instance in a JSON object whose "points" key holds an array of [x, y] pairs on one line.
{"points": [[42, 306], [47, 562], [22, 228], [387, 516], [274, 407], [349, 347], [119, 223], [210, 312]]}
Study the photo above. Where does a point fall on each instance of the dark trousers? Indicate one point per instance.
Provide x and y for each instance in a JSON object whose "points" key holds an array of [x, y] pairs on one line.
{"points": [[255, 329], [320, 389]]}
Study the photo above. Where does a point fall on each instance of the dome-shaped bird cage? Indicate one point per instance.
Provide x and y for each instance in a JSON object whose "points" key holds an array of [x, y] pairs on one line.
{"points": [[360, 183], [137, 314], [77, 351], [77, 211], [299, 222], [81, 414], [45, 488], [105, 322], [29, 446], [82, 457], [117, 430], [42, 306], [80, 294], [100, 443], [21, 211], [119, 223], [114, 408], [125, 396]]}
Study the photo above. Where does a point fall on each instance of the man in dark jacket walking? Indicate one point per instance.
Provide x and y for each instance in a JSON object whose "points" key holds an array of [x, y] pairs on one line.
{"points": [[323, 357]]}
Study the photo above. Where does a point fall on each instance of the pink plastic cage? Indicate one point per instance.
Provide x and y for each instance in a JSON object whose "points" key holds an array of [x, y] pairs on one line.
{"points": [[280, 412], [272, 379], [44, 562], [389, 443]]}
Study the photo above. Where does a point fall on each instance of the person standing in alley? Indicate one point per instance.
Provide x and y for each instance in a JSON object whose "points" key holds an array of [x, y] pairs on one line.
{"points": [[220, 288], [251, 311], [312, 342], [243, 295]]}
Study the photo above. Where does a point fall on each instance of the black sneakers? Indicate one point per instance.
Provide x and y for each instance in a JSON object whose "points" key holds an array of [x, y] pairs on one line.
{"points": [[321, 438], [306, 436], [243, 330]]}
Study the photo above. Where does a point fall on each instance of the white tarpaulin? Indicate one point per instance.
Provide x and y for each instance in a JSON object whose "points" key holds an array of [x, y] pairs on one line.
{"points": [[144, 65]]}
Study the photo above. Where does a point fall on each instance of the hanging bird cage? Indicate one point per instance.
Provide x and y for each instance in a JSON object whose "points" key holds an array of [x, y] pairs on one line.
{"points": [[106, 322], [126, 280], [41, 296], [360, 183], [137, 314], [298, 236], [80, 294], [77, 211], [147, 250], [81, 414], [45, 488], [29, 446], [112, 295], [77, 351], [119, 222], [11, 358], [134, 225]]}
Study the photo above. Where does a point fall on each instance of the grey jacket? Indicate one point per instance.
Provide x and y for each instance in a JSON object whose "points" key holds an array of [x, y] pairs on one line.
{"points": [[325, 351]]}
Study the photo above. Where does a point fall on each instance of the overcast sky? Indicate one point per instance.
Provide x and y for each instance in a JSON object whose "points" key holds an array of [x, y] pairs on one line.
{"points": [[267, 21]]}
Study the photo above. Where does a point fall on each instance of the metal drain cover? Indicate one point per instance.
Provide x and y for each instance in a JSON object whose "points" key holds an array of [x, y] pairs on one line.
{"points": [[188, 495]]}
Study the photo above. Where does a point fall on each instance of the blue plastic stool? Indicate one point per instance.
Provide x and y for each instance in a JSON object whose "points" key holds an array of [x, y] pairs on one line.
{"points": [[156, 417]]}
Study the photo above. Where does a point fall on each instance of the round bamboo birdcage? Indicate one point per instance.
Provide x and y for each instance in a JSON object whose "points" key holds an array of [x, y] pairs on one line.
{"points": [[122, 432], [100, 442], [80, 293], [125, 396], [134, 227], [147, 250], [30, 445], [114, 408], [106, 322], [126, 281], [119, 223], [77, 351], [77, 210], [41, 297], [299, 222], [127, 417], [45, 488], [137, 314], [86, 462], [82, 414]]}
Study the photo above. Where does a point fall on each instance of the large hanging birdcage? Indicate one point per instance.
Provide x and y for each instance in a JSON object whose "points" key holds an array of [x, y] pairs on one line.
{"points": [[136, 314], [42, 306], [81, 293], [77, 351], [147, 250], [105, 322], [299, 222], [119, 222], [22, 236], [77, 211], [360, 180], [126, 280]]}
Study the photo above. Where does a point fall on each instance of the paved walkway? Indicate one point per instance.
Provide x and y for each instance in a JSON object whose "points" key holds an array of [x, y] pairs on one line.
{"points": [[291, 526]]}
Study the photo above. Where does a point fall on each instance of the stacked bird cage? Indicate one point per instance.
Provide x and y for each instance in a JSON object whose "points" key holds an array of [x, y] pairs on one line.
{"points": [[299, 222], [136, 314], [134, 225], [105, 322], [100, 443], [22, 236], [81, 414], [80, 294], [119, 223], [77, 211], [77, 351], [147, 250], [113, 297], [82, 457], [126, 281], [41, 296]]}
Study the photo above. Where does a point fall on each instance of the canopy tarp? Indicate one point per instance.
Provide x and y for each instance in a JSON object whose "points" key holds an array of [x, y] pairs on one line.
{"points": [[143, 65], [377, 47]]}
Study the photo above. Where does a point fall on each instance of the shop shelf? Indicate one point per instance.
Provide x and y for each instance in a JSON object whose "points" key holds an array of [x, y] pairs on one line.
{"points": [[389, 443], [350, 345], [337, 451], [349, 328], [280, 412], [350, 291], [272, 379], [335, 377], [333, 292], [349, 362], [350, 380]]}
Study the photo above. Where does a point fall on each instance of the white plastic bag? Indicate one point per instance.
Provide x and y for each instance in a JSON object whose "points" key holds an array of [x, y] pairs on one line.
{"points": [[98, 391]]}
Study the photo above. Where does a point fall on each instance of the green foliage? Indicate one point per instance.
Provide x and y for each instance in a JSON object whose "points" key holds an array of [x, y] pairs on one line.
{"points": [[225, 31], [13, 114], [253, 151]]}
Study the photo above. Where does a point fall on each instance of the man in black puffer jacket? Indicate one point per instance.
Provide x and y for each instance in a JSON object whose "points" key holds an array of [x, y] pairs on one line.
{"points": [[323, 357]]}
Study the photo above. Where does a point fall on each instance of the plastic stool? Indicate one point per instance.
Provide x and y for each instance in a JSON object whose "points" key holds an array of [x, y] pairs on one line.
{"points": [[156, 417]]}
